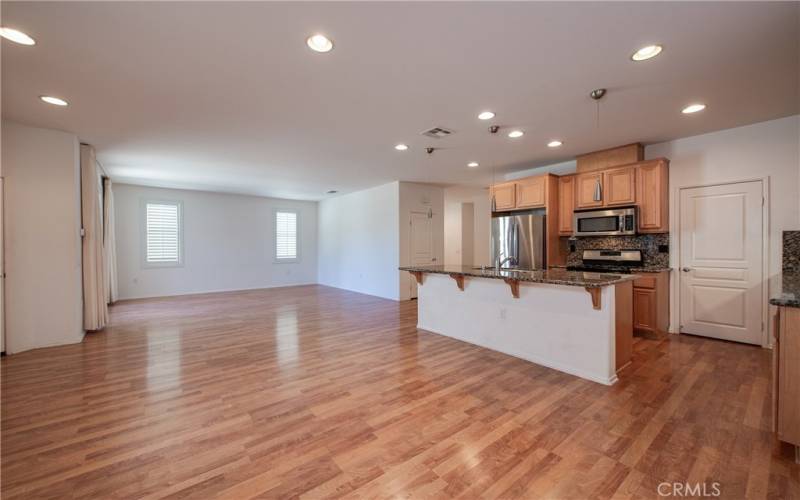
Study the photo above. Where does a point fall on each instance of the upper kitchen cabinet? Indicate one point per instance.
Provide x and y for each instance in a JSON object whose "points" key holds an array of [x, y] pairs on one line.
{"points": [[607, 188], [608, 158], [620, 186], [619, 177], [589, 190], [505, 196], [566, 204], [532, 192], [652, 185]]}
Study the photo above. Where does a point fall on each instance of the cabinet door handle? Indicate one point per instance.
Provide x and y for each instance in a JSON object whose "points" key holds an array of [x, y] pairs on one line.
{"points": [[686, 269]]}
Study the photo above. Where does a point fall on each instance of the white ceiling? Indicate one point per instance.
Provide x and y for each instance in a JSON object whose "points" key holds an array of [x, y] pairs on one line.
{"points": [[227, 97]]}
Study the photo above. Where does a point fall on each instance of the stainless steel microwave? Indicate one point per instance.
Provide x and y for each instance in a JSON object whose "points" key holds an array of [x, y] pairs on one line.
{"points": [[610, 222]]}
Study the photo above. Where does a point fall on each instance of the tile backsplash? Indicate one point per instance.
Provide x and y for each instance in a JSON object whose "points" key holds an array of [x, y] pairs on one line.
{"points": [[648, 243], [791, 252]]}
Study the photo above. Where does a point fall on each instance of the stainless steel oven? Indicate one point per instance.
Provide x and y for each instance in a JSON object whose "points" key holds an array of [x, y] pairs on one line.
{"points": [[610, 222]]}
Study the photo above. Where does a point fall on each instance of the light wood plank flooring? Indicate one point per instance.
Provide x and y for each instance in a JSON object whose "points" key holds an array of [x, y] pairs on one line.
{"points": [[318, 392]]}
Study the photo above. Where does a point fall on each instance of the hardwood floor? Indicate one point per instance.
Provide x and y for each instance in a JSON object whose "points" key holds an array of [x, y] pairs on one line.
{"points": [[318, 392]]}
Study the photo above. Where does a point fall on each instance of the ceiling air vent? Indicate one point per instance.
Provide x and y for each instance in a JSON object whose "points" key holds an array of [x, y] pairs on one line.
{"points": [[436, 132]]}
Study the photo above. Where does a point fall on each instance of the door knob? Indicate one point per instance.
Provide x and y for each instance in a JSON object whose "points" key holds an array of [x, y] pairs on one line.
{"points": [[686, 269]]}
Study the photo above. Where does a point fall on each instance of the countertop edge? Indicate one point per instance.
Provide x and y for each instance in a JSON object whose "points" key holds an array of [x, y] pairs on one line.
{"points": [[784, 302], [790, 290], [528, 278]]}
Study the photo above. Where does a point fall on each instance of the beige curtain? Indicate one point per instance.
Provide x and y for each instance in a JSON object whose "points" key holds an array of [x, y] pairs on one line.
{"points": [[109, 243], [95, 308]]}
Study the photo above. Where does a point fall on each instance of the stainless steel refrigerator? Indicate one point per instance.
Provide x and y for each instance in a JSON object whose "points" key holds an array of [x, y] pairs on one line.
{"points": [[518, 239]]}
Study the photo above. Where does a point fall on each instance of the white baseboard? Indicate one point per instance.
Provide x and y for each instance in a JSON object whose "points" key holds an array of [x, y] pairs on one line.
{"points": [[216, 290]]}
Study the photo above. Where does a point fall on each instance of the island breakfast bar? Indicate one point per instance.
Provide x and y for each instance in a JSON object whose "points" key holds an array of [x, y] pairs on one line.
{"points": [[575, 322]]}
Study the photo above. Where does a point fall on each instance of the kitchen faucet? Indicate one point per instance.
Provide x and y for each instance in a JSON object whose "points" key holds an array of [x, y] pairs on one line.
{"points": [[499, 263]]}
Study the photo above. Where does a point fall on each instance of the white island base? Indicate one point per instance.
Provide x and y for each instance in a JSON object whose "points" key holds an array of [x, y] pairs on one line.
{"points": [[551, 325]]}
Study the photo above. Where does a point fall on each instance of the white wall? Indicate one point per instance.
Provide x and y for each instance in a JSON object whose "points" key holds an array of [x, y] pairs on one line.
{"points": [[359, 241], [42, 237], [228, 243], [768, 149], [454, 198], [416, 197]]}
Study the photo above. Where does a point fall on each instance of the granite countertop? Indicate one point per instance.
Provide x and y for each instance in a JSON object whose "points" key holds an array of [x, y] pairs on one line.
{"points": [[790, 297], [553, 276], [640, 269]]}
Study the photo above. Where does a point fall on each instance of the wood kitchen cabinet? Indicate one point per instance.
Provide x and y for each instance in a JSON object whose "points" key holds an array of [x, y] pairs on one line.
{"points": [[608, 158], [652, 185], [532, 192], [566, 204], [644, 310], [607, 188], [623, 344], [651, 304], [644, 184], [619, 186], [505, 196], [786, 375], [589, 190]]}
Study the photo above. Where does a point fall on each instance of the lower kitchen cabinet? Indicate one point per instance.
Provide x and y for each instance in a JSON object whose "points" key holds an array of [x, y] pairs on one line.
{"points": [[786, 375], [644, 310], [651, 304]]}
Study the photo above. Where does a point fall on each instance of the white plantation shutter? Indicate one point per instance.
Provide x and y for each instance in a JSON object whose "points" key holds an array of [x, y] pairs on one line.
{"points": [[163, 232], [285, 235]]}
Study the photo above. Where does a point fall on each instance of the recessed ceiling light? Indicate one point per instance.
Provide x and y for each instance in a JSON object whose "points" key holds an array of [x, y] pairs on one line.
{"points": [[53, 100], [486, 115], [554, 144], [516, 133], [647, 52], [319, 43], [16, 36], [472, 164], [693, 108], [401, 147]]}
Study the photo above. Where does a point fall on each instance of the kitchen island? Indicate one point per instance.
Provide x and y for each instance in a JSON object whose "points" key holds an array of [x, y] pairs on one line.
{"points": [[575, 322]]}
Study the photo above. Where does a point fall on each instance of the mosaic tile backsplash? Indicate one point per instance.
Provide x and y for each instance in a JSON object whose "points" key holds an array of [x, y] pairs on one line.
{"points": [[647, 243], [791, 251]]}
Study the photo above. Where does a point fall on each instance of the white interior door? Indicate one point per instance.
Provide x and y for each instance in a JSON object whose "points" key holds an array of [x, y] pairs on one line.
{"points": [[421, 238], [721, 261]]}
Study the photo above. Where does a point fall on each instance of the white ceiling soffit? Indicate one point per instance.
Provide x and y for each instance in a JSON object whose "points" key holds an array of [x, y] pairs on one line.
{"points": [[228, 97]]}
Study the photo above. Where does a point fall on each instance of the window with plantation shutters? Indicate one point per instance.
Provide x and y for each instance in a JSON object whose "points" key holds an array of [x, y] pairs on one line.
{"points": [[162, 233], [285, 236]]}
